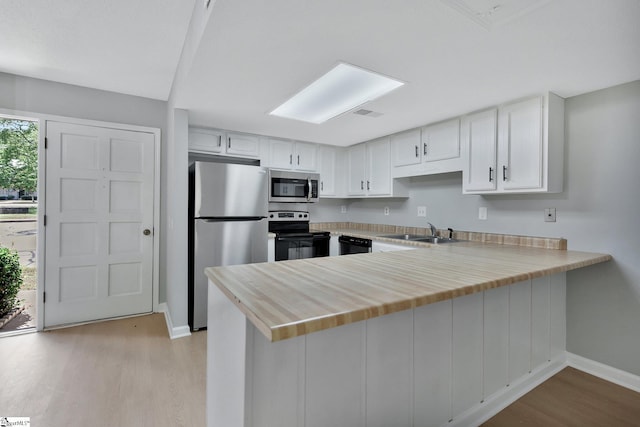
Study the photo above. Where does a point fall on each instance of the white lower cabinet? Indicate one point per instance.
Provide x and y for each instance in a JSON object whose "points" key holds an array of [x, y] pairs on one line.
{"points": [[448, 363]]}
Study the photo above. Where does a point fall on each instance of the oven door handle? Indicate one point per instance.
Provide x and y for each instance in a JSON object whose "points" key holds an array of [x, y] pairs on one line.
{"points": [[294, 238]]}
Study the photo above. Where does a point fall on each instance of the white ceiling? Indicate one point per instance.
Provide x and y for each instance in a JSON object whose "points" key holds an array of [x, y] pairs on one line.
{"points": [[124, 46], [455, 55]]}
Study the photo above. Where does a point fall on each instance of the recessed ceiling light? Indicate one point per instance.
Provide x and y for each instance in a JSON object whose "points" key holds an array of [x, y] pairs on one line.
{"points": [[342, 89]]}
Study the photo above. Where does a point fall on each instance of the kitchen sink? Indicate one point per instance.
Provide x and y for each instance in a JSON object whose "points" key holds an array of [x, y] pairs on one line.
{"points": [[420, 238]]}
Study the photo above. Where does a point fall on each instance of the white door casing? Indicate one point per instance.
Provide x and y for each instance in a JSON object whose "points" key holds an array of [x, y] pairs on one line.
{"points": [[99, 202]]}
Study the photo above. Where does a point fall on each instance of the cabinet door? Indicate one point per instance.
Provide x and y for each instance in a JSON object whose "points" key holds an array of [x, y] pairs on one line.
{"points": [[280, 154], [406, 148], [206, 140], [304, 156], [327, 170], [520, 145], [379, 167], [243, 145], [479, 140], [356, 166], [441, 141]]}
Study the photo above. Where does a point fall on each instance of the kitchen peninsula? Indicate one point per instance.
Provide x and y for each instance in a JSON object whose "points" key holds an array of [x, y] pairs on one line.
{"points": [[443, 334]]}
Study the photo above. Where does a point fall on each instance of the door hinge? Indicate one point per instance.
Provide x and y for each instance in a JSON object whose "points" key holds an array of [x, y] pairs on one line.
{"points": [[44, 220], [44, 297], [46, 143]]}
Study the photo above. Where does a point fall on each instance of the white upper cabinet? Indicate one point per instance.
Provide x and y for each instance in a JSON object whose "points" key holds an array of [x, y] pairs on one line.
{"points": [[369, 171], [357, 170], [441, 141], [327, 170], [479, 139], [432, 149], [213, 141], [379, 168], [528, 154], [284, 154], [406, 147], [305, 156], [243, 145], [206, 140]]}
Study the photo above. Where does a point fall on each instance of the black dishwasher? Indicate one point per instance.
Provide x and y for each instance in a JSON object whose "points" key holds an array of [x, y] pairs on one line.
{"points": [[354, 245]]}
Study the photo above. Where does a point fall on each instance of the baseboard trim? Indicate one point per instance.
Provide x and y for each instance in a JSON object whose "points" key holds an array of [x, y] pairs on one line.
{"points": [[495, 403], [606, 372], [174, 331]]}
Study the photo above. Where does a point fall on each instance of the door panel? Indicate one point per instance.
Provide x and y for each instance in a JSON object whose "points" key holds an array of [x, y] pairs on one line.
{"points": [[99, 200]]}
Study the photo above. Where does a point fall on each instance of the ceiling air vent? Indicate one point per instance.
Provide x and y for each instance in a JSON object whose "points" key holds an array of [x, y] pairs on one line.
{"points": [[363, 112]]}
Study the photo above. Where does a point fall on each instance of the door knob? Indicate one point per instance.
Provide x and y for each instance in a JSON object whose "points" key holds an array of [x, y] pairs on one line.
{"points": [[146, 232]]}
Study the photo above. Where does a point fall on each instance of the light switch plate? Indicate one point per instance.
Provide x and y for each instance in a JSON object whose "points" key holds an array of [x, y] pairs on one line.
{"points": [[482, 213], [386, 210], [422, 211], [343, 209], [550, 215]]}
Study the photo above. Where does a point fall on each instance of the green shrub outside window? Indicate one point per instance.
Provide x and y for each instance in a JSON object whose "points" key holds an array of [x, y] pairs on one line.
{"points": [[10, 279]]}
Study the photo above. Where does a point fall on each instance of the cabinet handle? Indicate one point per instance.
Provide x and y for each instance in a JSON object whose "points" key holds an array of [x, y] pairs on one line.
{"points": [[417, 153], [490, 174], [425, 149], [219, 141], [368, 185], [298, 159], [504, 173], [362, 185], [229, 142], [290, 159]]}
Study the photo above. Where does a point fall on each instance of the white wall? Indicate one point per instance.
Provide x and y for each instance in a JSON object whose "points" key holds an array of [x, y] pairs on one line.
{"points": [[599, 211], [175, 226]]}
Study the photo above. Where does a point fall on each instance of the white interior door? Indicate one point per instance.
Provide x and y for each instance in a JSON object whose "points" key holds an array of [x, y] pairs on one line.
{"points": [[99, 223]]}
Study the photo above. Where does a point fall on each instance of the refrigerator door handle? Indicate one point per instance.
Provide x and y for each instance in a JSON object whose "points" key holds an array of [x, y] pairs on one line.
{"points": [[231, 218]]}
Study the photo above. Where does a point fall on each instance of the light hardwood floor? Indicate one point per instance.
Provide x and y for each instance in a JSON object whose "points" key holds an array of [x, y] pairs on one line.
{"points": [[572, 398], [117, 373]]}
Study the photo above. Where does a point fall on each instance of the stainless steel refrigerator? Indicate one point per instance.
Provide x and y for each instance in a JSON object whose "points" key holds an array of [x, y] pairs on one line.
{"points": [[227, 224]]}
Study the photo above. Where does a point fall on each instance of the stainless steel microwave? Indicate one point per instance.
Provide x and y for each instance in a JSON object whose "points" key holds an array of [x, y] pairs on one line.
{"points": [[293, 187]]}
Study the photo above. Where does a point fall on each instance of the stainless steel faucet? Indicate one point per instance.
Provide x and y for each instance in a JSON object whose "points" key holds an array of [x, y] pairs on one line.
{"points": [[433, 229]]}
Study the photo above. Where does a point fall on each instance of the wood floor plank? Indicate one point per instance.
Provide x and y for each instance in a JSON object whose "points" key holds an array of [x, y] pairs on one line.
{"points": [[572, 398], [123, 372]]}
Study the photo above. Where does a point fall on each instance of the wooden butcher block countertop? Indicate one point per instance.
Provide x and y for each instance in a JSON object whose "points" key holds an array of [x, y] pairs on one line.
{"points": [[292, 298]]}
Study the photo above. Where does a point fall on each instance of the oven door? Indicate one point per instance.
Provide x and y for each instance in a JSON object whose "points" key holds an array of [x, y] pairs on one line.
{"points": [[294, 246]]}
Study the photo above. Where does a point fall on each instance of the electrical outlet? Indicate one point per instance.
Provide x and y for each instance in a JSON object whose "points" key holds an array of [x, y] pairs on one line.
{"points": [[482, 213], [422, 211], [386, 210], [550, 215], [343, 209]]}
